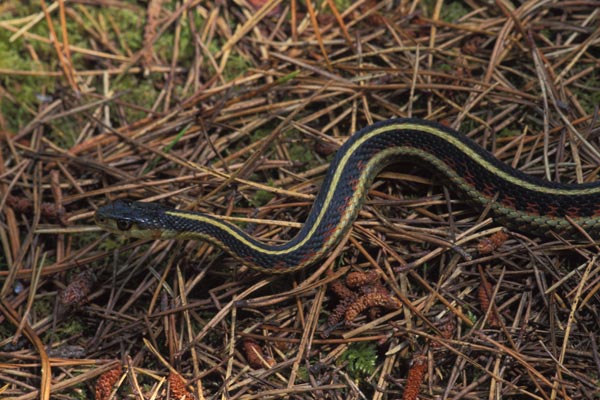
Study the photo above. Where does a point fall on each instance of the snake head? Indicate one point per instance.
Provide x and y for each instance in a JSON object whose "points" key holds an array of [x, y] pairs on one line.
{"points": [[132, 218]]}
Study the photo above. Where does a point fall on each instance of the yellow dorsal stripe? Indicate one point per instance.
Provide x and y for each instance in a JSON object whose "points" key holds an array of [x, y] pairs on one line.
{"points": [[449, 138]]}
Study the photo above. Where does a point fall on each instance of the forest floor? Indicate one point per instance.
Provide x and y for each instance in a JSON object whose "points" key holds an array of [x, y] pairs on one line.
{"points": [[235, 109]]}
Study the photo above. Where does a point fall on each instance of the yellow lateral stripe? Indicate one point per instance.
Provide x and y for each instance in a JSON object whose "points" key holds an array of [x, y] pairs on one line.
{"points": [[472, 154], [227, 228], [490, 167]]}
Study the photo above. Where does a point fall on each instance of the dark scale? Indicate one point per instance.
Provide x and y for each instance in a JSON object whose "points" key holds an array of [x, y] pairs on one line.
{"points": [[454, 163], [483, 180], [511, 195]]}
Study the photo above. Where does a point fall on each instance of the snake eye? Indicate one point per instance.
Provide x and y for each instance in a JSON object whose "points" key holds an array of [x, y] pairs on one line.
{"points": [[123, 225]]}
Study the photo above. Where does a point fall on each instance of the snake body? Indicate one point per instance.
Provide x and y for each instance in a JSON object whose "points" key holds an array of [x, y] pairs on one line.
{"points": [[515, 199]]}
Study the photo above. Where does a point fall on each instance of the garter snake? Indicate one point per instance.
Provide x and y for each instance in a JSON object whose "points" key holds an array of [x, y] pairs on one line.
{"points": [[515, 199]]}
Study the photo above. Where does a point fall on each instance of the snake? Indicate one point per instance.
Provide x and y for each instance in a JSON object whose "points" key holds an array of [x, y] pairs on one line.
{"points": [[516, 200]]}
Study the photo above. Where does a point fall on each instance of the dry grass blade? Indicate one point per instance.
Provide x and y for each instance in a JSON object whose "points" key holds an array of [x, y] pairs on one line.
{"points": [[235, 109]]}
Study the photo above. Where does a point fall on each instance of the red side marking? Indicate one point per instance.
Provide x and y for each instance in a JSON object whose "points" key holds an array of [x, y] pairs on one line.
{"points": [[426, 148], [574, 212], [354, 183], [280, 265], [469, 178], [552, 211], [596, 212], [360, 165], [343, 205], [450, 162], [532, 208], [508, 201], [489, 190], [307, 257], [329, 230]]}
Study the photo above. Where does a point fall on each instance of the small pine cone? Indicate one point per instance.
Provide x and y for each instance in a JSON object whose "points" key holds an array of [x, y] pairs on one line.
{"points": [[485, 298], [376, 299], [447, 327], [106, 381], [489, 244], [255, 355], [47, 210], [473, 45], [375, 287], [358, 279], [341, 290], [339, 312], [177, 387], [416, 374], [76, 293]]}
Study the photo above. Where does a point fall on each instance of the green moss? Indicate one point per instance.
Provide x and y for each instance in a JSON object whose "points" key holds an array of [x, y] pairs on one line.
{"points": [[71, 327], [472, 317], [109, 244], [138, 91], [299, 152], [165, 44], [186, 42], [130, 24], [42, 307], [450, 12], [261, 197], [18, 108], [547, 33], [303, 374], [289, 77], [260, 133], [446, 67], [361, 358], [236, 64], [80, 392], [587, 91], [342, 5], [167, 149], [6, 331], [122, 29], [507, 132]]}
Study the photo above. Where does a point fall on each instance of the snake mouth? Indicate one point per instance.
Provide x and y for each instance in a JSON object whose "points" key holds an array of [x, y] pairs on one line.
{"points": [[110, 224]]}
